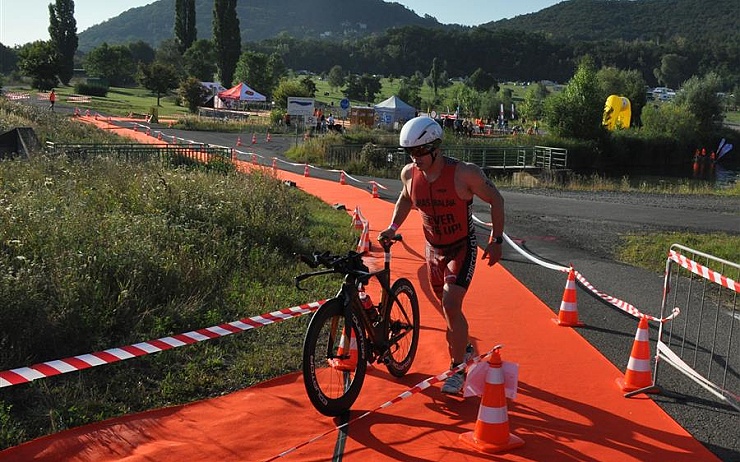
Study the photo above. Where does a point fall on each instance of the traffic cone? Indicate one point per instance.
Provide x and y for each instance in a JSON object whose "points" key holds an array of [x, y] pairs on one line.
{"points": [[491, 433], [87, 112], [375, 190], [305, 171], [136, 128], [638, 374], [568, 314], [269, 138], [254, 159], [357, 218], [342, 179], [159, 136], [77, 112], [254, 138], [274, 164], [148, 131], [343, 363], [305, 136], [238, 140]]}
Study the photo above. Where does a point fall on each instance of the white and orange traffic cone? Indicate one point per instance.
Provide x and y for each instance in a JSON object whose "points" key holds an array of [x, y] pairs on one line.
{"points": [[87, 112], [375, 190], [274, 165], [305, 171], [148, 131], [136, 128], [254, 138], [305, 136], [159, 136], [346, 352], [342, 179], [568, 314], [638, 374], [491, 433], [238, 140], [357, 218], [254, 159], [269, 138]]}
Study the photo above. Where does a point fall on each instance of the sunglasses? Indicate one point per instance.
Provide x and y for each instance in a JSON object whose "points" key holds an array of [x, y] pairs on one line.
{"points": [[420, 151]]}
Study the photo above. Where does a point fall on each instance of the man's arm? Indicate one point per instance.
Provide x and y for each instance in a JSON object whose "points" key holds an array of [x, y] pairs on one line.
{"points": [[402, 207], [480, 185]]}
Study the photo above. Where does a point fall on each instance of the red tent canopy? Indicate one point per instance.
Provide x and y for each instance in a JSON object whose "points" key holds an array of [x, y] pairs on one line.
{"points": [[241, 92]]}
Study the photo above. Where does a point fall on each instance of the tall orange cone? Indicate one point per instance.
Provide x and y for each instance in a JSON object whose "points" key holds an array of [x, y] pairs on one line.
{"points": [[269, 138], [375, 190], [638, 374], [274, 164], [238, 140], [148, 131], [342, 179], [344, 363], [254, 138], [568, 314], [254, 159], [491, 433], [305, 171]]}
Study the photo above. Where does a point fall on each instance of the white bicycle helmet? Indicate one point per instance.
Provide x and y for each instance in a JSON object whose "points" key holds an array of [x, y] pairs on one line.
{"points": [[420, 131]]}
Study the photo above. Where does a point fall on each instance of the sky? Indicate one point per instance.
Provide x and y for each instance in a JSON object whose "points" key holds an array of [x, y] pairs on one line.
{"points": [[23, 21]]}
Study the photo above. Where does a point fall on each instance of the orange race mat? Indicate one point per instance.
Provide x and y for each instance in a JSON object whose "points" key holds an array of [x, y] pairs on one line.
{"points": [[568, 406]]}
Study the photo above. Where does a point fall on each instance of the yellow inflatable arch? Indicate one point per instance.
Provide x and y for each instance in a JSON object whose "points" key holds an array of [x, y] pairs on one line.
{"points": [[617, 112]]}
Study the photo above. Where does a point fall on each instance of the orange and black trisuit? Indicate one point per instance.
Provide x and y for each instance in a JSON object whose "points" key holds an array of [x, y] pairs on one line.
{"points": [[448, 227]]}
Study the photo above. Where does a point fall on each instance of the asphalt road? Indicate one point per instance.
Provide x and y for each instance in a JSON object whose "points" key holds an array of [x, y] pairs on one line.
{"points": [[583, 231]]}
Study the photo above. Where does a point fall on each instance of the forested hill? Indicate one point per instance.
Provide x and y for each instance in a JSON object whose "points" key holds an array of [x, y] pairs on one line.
{"points": [[652, 20], [259, 20], [579, 20]]}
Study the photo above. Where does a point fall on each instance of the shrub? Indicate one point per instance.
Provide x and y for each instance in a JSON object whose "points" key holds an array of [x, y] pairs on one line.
{"points": [[88, 89]]}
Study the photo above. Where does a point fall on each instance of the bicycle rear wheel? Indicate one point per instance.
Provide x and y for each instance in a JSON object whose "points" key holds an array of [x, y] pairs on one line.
{"points": [[334, 363], [403, 327]]}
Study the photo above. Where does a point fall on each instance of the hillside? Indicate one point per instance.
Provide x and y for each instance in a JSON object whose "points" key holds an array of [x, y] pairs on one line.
{"points": [[259, 20], [654, 20]]}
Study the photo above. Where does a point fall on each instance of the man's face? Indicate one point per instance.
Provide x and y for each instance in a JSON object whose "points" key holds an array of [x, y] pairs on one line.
{"points": [[421, 155]]}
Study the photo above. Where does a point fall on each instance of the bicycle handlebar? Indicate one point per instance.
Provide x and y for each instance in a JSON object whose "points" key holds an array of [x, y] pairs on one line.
{"points": [[351, 263]]}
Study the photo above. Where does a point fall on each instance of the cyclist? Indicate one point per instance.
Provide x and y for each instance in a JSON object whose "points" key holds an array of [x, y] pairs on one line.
{"points": [[442, 189]]}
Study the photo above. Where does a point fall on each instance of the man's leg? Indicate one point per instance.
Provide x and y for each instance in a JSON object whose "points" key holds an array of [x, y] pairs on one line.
{"points": [[457, 325]]}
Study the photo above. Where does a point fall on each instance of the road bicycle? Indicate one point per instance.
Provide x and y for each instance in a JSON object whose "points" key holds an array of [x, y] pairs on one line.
{"points": [[347, 332]]}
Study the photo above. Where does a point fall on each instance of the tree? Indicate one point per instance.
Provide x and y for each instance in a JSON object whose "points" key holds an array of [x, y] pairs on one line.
{"points": [[577, 111], [434, 77], [481, 80], [192, 93], [226, 39], [141, 52], [38, 61], [199, 60], [168, 53], [63, 33], [8, 59], [410, 91], [336, 77], [533, 107], [185, 31], [112, 63], [698, 96], [158, 77], [363, 88], [252, 68], [670, 121], [286, 89], [672, 70]]}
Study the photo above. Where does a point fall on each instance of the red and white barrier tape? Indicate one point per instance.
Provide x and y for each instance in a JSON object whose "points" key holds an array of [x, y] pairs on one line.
{"points": [[81, 362], [406, 394], [703, 271], [621, 304]]}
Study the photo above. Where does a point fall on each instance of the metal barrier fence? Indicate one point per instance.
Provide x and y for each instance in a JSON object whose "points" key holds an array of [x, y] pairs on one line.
{"points": [[141, 152], [703, 342], [488, 158]]}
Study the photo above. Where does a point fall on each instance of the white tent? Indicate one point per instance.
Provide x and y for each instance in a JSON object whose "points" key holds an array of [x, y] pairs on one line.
{"points": [[393, 110]]}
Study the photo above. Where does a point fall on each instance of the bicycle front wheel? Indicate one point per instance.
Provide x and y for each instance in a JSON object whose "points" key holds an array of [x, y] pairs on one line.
{"points": [[403, 327], [334, 363]]}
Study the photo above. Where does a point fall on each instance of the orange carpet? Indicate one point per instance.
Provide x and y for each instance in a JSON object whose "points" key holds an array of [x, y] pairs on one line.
{"points": [[568, 407]]}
